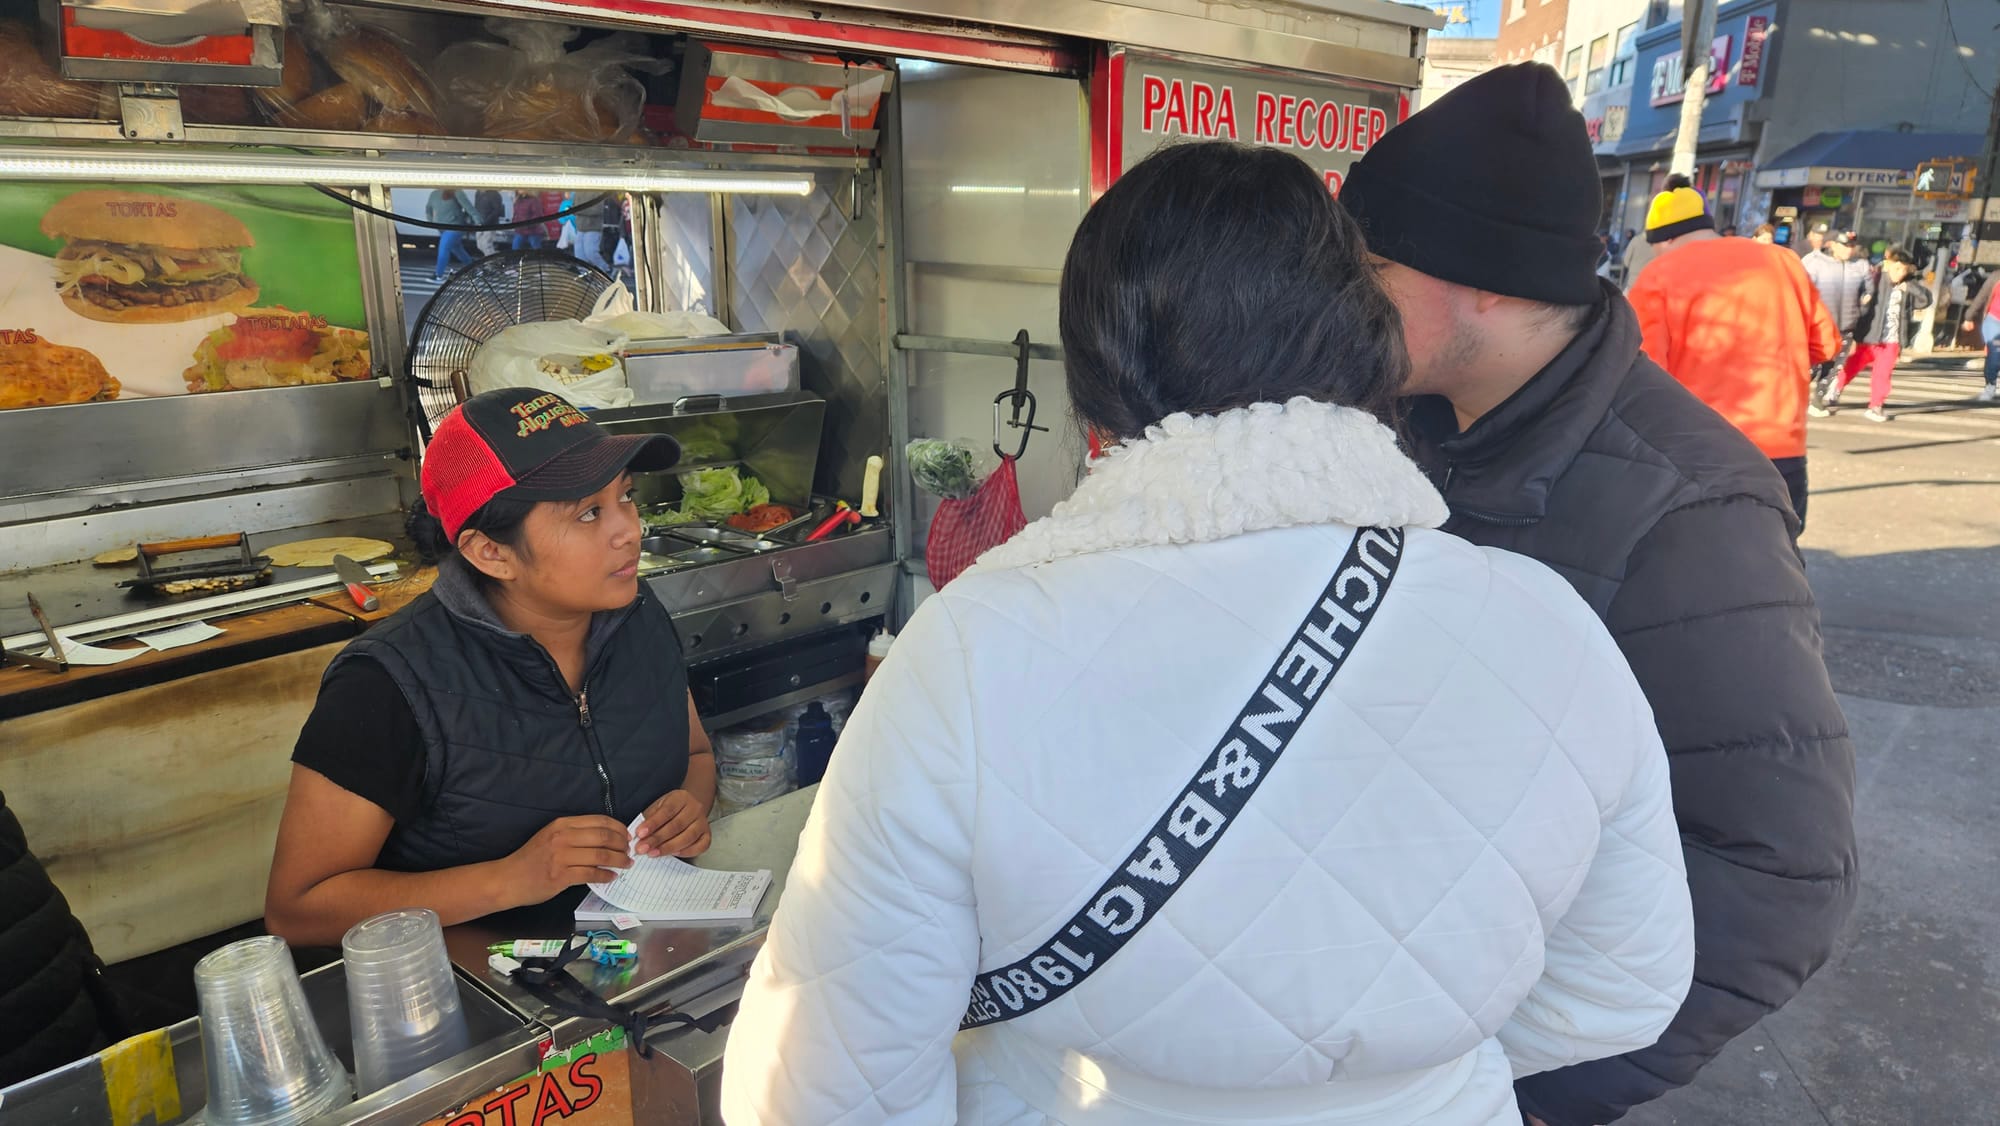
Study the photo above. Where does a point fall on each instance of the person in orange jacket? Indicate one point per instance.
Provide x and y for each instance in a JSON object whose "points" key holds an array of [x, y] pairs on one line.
{"points": [[1738, 323]]}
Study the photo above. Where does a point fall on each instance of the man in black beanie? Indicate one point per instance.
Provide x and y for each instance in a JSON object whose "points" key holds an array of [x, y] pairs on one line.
{"points": [[1551, 434]]}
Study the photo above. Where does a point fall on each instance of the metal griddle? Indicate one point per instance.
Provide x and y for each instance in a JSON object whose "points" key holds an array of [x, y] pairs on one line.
{"points": [[226, 557]]}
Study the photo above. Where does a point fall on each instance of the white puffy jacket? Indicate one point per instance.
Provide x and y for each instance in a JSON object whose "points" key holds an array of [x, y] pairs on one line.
{"points": [[1464, 868]]}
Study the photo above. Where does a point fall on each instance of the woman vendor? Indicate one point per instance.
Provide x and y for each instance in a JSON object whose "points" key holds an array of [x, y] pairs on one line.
{"points": [[488, 746]]}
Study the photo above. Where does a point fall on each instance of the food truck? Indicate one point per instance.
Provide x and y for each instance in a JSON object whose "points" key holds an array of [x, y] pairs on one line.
{"points": [[252, 251]]}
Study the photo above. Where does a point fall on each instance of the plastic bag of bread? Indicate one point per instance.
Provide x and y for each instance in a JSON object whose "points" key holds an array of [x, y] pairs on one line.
{"points": [[30, 87], [342, 75], [216, 105], [530, 88]]}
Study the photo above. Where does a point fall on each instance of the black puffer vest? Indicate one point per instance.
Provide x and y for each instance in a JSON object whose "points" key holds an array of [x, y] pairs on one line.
{"points": [[507, 749], [50, 1010]]}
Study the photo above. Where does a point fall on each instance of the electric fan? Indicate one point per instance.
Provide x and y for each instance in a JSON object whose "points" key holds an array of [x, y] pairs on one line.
{"points": [[493, 293]]}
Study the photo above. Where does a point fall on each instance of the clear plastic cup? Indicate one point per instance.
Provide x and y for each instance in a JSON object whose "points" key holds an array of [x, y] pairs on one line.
{"points": [[267, 1063], [401, 997]]}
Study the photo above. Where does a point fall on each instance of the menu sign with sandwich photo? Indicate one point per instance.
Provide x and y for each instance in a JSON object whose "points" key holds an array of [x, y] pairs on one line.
{"points": [[122, 292]]}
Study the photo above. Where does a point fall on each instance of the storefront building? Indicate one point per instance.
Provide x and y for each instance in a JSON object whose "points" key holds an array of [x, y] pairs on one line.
{"points": [[1742, 58], [1599, 67], [1865, 180], [1813, 114]]}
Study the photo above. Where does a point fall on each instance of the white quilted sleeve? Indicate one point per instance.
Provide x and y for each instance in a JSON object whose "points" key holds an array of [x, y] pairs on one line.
{"points": [[1620, 959], [850, 1010]]}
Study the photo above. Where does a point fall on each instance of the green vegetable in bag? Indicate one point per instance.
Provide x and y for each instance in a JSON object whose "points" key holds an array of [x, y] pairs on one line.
{"points": [[942, 467]]}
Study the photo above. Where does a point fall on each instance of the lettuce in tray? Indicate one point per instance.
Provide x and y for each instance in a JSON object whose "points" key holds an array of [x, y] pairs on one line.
{"points": [[711, 496]]}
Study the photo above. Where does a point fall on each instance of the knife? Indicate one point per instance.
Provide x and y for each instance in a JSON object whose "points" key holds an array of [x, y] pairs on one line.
{"points": [[356, 577]]}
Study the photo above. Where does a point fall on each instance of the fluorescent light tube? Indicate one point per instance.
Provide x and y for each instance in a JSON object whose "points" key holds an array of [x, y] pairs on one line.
{"points": [[172, 167]]}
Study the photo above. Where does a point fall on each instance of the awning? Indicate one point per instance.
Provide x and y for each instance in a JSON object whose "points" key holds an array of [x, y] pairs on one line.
{"points": [[1863, 158]]}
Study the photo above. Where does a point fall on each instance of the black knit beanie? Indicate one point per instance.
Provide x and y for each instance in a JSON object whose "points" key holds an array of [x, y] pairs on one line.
{"points": [[1493, 187]]}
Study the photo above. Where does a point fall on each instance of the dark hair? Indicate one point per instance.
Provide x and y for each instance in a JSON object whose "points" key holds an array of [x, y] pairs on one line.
{"points": [[503, 519], [1676, 180], [1213, 276], [1898, 254]]}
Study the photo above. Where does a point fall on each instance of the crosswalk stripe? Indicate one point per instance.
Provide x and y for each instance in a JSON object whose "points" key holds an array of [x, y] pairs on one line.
{"points": [[1899, 425]]}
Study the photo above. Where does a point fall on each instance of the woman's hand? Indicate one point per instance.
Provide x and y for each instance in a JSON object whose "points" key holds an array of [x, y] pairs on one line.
{"points": [[676, 825], [567, 852]]}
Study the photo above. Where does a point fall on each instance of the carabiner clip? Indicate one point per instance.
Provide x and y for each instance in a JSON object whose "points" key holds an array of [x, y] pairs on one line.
{"points": [[1028, 428]]}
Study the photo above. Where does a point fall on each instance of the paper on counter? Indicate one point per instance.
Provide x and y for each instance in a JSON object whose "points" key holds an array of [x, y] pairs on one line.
{"points": [[192, 633], [668, 889], [77, 653]]}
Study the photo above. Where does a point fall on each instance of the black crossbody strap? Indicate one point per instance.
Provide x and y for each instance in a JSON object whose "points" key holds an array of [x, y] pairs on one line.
{"points": [[1205, 808]]}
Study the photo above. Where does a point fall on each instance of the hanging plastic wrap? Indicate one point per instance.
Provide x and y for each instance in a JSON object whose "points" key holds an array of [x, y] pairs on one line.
{"points": [[529, 87]]}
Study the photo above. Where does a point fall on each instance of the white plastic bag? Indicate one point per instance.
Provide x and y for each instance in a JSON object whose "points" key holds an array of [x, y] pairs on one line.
{"points": [[617, 312], [580, 362]]}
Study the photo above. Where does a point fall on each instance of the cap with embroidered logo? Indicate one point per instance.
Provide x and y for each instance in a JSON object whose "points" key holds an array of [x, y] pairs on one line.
{"points": [[527, 444]]}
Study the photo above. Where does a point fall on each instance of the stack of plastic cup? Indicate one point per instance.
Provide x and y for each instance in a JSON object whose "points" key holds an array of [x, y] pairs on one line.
{"points": [[267, 1063], [401, 998]]}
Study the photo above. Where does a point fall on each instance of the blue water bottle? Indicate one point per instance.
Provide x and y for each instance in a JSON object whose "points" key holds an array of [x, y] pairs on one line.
{"points": [[816, 741]]}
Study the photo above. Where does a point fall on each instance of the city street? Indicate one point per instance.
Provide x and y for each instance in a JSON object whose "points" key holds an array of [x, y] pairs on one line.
{"points": [[1904, 550]]}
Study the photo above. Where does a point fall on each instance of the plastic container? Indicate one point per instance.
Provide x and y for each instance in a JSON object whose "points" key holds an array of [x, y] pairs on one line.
{"points": [[878, 651], [662, 371], [753, 764], [815, 744], [402, 1000], [268, 1064]]}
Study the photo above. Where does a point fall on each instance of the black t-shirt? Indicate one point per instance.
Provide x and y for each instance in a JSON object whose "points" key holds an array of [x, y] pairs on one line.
{"points": [[363, 736]]}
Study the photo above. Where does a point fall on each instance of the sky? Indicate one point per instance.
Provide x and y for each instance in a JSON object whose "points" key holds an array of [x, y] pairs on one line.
{"points": [[1469, 19]]}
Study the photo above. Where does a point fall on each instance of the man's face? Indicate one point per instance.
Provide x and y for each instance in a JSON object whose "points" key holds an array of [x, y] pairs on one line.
{"points": [[1436, 333], [1841, 251], [1816, 240]]}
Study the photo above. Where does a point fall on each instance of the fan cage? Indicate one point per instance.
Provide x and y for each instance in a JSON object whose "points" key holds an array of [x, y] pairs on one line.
{"points": [[479, 301]]}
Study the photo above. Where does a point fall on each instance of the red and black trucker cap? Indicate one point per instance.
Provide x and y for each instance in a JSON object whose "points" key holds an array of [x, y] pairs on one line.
{"points": [[526, 444]]}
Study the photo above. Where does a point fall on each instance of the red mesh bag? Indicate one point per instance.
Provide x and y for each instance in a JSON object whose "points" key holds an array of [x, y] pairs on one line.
{"points": [[966, 529]]}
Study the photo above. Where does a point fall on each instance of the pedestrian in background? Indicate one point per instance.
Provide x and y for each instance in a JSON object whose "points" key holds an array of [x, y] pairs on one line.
{"points": [[1982, 315], [488, 209], [1553, 435], [1739, 324], [1766, 234], [1845, 282], [527, 207], [1816, 238], [1887, 326], [449, 205], [1639, 251]]}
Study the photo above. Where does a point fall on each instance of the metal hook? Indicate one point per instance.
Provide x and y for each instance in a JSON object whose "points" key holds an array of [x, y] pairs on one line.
{"points": [[1020, 372], [1020, 395]]}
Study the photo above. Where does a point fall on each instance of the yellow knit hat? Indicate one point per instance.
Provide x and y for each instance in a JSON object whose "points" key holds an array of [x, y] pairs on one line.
{"points": [[1675, 213]]}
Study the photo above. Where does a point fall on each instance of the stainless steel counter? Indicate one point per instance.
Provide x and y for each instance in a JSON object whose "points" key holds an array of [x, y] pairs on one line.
{"points": [[693, 969], [681, 966]]}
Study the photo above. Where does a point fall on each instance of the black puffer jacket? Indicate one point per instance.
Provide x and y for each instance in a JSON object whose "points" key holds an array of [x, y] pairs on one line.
{"points": [[51, 997], [1895, 306], [1680, 535]]}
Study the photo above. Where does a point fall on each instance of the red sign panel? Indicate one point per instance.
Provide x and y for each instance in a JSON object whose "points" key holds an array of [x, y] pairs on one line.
{"points": [[1328, 124], [1756, 29], [96, 43]]}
